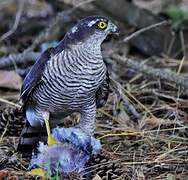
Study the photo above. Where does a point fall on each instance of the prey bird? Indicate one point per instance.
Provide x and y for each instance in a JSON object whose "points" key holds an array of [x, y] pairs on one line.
{"points": [[72, 77], [65, 157]]}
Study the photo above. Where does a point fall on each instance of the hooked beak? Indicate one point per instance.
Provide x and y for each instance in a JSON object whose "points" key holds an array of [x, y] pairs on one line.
{"points": [[113, 29]]}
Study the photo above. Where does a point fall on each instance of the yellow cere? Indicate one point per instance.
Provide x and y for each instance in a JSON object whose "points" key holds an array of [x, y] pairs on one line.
{"points": [[102, 24]]}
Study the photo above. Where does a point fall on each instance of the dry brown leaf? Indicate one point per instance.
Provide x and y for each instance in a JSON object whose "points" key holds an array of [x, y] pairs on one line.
{"points": [[10, 79], [151, 123], [3, 174]]}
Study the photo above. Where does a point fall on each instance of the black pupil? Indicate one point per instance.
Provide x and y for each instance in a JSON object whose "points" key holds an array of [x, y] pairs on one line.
{"points": [[102, 24]]}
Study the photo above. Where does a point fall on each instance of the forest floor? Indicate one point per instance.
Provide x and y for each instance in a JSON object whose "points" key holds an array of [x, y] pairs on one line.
{"points": [[144, 125]]}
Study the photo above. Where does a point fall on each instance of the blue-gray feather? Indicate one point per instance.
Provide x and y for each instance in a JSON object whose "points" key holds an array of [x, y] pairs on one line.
{"points": [[59, 158], [71, 156], [77, 137]]}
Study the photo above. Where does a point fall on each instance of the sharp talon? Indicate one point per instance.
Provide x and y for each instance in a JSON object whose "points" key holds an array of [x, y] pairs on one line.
{"points": [[51, 140], [38, 172]]}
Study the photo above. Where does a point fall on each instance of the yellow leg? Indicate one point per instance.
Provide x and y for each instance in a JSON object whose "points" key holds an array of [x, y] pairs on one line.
{"points": [[51, 140]]}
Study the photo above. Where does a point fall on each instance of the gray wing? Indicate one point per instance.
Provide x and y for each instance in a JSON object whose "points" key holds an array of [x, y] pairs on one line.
{"points": [[33, 78]]}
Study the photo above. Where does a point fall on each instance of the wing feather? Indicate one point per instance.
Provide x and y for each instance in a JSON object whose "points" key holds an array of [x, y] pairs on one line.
{"points": [[33, 78]]}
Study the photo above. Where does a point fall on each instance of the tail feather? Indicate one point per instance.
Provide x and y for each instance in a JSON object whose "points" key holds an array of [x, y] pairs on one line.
{"points": [[30, 137]]}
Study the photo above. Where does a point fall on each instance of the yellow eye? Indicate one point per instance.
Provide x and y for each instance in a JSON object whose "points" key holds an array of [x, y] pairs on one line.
{"points": [[102, 25]]}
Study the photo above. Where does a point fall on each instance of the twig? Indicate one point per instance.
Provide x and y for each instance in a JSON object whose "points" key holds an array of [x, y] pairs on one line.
{"points": [[133, 35], [184, 52], [4, 132], [181, 65], [16, 21], [10, 103], [19, 58], [129, 107], [126, 101], [152, 72], [141, 133], [122, 93], [148, 162], [183, 42]]}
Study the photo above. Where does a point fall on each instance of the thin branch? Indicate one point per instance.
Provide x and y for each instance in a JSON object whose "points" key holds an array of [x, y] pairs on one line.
{"points": [[4, 132], [117, 87], [16, 21], [153, 72], [181, 65], [10, 103], [131, 109], [182, 39], [133, 35], [184, 52], [19, 58]]}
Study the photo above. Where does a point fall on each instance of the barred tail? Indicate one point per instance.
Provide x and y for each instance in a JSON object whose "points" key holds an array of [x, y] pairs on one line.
{"points": [[30, 136]]}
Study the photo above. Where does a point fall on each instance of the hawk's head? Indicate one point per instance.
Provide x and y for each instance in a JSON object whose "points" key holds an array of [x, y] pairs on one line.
{"points": [[92, 29]]}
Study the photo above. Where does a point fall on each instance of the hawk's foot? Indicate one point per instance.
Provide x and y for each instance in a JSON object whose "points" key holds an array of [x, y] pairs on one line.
{"points": [[51, 140]]}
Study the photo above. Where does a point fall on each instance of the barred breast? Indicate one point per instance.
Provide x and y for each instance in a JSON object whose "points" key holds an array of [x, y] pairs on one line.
{"points": [[70, 81]]}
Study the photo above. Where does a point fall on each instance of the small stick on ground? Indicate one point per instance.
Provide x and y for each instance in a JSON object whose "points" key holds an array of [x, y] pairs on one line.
{"points": [[133, 35], [152, 72], [118, 89], [19, 58], [10, 103]]}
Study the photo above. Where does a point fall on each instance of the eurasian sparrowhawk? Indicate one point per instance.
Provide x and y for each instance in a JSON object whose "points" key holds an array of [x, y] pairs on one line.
{"points": [[72, 77]]}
